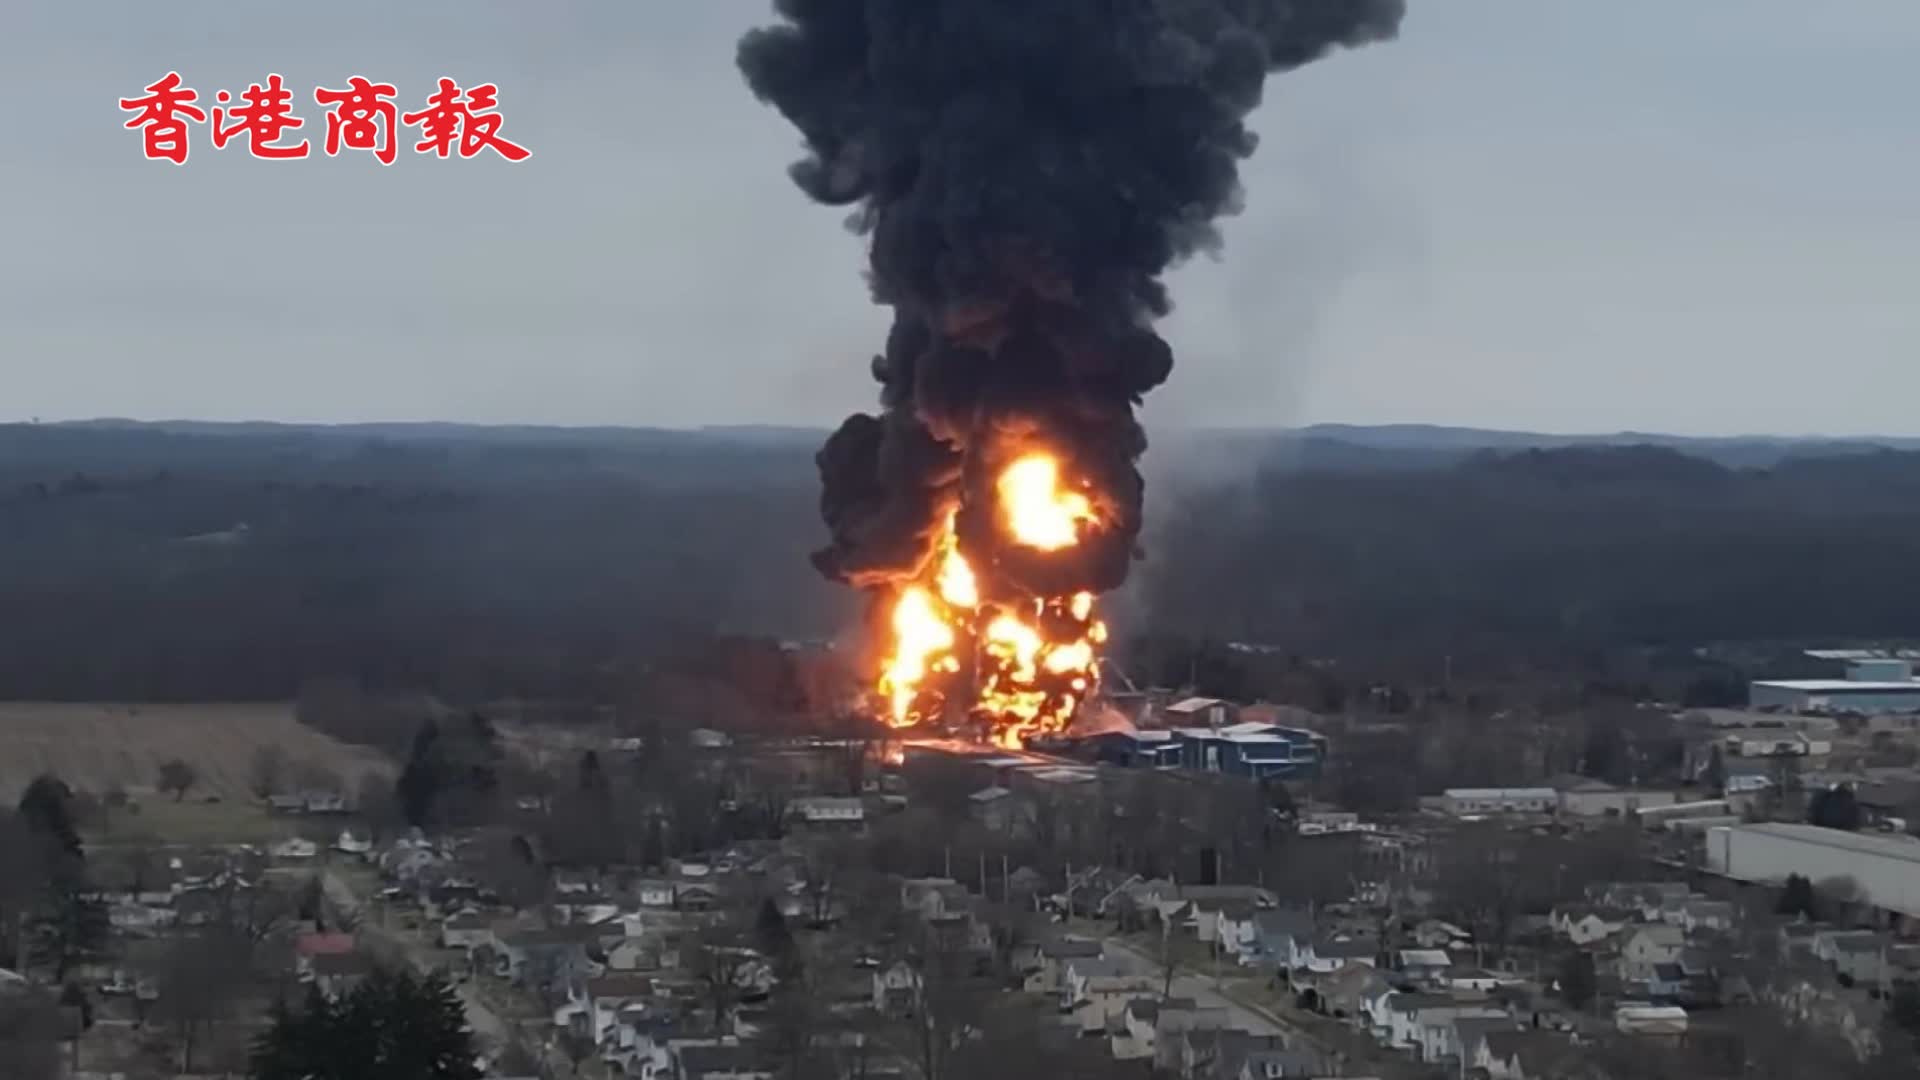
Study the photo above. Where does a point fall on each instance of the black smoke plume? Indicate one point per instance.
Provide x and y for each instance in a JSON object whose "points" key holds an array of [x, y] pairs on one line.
{"points": [[1027, 171]]}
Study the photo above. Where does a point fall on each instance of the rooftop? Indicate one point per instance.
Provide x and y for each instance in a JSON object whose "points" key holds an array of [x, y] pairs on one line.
{"points": [[1833, 686], [1194, 705], [1888, 847]]}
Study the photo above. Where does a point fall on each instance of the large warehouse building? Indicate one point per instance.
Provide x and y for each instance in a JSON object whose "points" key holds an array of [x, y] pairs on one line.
{"points": [[1884, 866], [1877, 685]]}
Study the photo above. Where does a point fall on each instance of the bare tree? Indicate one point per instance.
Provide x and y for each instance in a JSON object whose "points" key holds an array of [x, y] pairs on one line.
{"points": [[199, 977], [952, 1001], [508, 866], [722, 966], [177, 776], [268, 770], [1485, 881], [377, 806], [1839, 898]]}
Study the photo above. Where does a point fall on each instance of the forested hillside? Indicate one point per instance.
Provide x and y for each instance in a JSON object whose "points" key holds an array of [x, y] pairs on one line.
{"points": [[1548, 552], [236, 563]]}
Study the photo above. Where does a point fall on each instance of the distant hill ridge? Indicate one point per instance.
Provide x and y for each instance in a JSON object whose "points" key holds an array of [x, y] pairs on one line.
{"points": [[1317, 445]]}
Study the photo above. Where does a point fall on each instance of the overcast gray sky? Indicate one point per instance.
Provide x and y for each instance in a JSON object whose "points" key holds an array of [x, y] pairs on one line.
{"points": [[1685, 215]]}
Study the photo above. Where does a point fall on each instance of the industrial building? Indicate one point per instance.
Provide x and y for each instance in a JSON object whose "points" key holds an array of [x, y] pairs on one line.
{"points": [[1872, 685], [1475, 802], [1885, 866], [1260, 751]]}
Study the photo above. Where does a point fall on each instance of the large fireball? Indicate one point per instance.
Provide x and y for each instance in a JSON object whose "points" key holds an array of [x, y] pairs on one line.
{"points": [[1019, 666]]}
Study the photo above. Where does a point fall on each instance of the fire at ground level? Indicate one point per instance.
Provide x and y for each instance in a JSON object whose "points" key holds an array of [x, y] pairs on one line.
{"points": [[967, 653]]}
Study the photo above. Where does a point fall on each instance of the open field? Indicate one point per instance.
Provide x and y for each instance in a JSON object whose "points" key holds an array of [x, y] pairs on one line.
{"points": [[99, 747], [154, 819]]}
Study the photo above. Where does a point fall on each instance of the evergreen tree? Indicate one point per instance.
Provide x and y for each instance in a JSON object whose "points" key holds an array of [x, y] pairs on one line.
{"points": [[653, 849], [1796, 897], [1578, 980], [774, 939], [1835, 808], [71, 927], [419, 782], [593, 779], [393, 1026], [47, 808], [1716, 771]]}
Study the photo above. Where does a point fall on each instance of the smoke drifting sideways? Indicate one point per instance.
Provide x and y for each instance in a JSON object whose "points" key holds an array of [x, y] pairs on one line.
{"points": [[1026, 170]]}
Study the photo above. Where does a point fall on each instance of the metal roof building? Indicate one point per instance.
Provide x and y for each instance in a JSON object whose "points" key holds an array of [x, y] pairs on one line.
{"points": [[1885, 867]]}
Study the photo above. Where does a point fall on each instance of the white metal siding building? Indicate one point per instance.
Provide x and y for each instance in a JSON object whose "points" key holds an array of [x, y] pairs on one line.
{"points": [[1887, 868], [1461, 802]]}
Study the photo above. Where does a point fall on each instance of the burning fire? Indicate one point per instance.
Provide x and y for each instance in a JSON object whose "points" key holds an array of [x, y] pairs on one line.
{"points": [[1039, 514], [1032, 661]]}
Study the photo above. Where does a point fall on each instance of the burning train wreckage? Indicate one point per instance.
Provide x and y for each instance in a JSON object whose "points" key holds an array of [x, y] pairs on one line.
{"points": [[1026, 172]]}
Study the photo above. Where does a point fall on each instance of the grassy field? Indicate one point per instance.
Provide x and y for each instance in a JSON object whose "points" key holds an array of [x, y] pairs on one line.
{"points": [[158, 819], [99, 747]]}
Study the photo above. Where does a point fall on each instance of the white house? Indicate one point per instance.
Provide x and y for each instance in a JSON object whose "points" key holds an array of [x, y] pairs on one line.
{"points": [[604, 1002], [824, 810], [896, 989], [468, 930], [1133, 1038], [1829, 943], [1585, 925], [1645, 947], [1634, 1019], [1048, 974], [1424, 965], [1448, 1035], [294, 848], [1098, 989], [637, 1048], [1472, 980], [1236, 931], [1700, 914], [1406, 1015], [139, 917], [1861, 961], [1174, 1019], [1323, 956], [653, 892]]}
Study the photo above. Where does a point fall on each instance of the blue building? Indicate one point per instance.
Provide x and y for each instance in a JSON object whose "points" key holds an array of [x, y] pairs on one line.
{"points": [[1260, 751], [1131, 749], [1252, 749], [1872, 685]]}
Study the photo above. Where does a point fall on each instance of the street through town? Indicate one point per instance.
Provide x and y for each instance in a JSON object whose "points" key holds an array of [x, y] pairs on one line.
{"points": [[492, 1032], [1208, 992]]}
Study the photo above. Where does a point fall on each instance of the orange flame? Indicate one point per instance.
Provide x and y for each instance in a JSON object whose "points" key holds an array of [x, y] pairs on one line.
{"points": [[1039, 514], [1034, 662]]}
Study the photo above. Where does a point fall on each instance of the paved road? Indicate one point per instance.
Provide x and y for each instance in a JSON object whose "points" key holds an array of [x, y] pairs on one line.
{"points": [[1206, 991], [487, 1024]]}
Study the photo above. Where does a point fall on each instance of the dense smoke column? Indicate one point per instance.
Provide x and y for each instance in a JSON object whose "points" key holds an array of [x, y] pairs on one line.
{"points": [[1026, 170]]}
